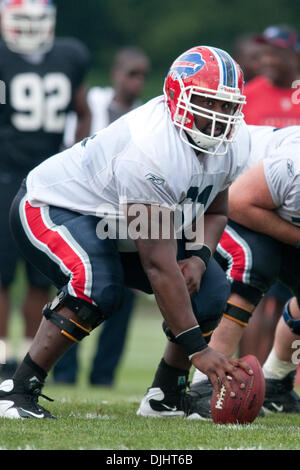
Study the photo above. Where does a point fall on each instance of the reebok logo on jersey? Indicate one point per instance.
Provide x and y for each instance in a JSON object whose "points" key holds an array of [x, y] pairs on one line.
{"points": [[155, 179]]}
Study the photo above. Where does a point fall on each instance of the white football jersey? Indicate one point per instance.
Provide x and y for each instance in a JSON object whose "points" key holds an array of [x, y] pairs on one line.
{"points": [[279, 149], [140, 158]]}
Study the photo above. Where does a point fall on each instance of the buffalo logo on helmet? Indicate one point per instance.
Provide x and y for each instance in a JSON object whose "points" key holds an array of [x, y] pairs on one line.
{"points": [[187, 65]]}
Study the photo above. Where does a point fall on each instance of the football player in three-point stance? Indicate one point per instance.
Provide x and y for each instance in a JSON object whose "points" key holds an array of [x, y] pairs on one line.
{"points": [[44, 80], [180, 149], [259, 246]]}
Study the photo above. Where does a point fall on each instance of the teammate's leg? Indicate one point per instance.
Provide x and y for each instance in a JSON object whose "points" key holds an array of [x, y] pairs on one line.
{"points": [[8, 262], [259, 335], [37, 294], [280, 366], [4, 312], [111, 343], [8, 368], [227, 336]]}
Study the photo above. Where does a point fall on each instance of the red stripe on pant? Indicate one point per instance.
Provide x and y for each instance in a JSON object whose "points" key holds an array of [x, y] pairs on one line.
{"points": [[59, 247], [237, 254]]}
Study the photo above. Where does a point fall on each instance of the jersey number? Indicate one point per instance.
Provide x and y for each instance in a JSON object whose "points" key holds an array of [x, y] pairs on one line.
{"points": [[202, 198], [40, 102], [193, 198]]}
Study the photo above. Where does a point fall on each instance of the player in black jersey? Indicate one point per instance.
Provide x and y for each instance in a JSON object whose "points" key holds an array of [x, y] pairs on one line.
{"points": [[43, 78]]}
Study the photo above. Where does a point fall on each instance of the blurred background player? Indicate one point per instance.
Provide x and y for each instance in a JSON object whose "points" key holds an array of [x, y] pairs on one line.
{"points": [[270, 96], [274, 57], [44, 80], [128, 74], [247, 52]]}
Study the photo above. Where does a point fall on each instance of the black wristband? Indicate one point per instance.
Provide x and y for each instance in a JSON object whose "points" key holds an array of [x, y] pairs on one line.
{"points": [[203, 253], [191, 340], [298, 245]]}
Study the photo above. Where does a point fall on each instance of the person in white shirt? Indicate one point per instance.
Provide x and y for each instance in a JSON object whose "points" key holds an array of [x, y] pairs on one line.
{"points": [[128, 76], [124, 207]]}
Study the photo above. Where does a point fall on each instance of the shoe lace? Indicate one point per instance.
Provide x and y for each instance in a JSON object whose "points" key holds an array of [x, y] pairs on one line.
{"points": [[34, 392]]}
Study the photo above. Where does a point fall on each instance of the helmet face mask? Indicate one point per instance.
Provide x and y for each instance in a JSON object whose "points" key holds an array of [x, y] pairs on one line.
{"points": [[200, 72], [28, 26]]}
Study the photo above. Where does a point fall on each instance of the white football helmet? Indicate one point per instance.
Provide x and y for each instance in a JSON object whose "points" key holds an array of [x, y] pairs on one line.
{"points": [[28, 26]]}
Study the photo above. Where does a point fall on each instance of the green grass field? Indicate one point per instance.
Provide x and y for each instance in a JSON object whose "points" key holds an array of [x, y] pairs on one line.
{"points": [[105, 418]]}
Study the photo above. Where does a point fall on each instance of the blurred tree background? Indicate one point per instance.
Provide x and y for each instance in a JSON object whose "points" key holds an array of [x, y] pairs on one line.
{"points": [[165, 28]]}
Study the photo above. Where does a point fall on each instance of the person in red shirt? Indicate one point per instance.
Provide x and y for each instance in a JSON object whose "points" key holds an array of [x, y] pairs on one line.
{"points": [[272, 97]]}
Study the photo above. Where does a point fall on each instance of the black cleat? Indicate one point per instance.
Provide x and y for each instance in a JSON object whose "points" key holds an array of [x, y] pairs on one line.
{"points": [[202, 393], [159, 404], [280, 396], [20, 400]]}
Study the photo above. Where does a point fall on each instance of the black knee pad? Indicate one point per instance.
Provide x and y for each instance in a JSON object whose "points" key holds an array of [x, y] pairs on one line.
{"points": [[237, 314], [90, 315]]}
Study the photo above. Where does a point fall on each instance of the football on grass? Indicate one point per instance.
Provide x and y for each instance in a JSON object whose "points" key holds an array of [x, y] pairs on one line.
{"points": [[245, 406]]}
